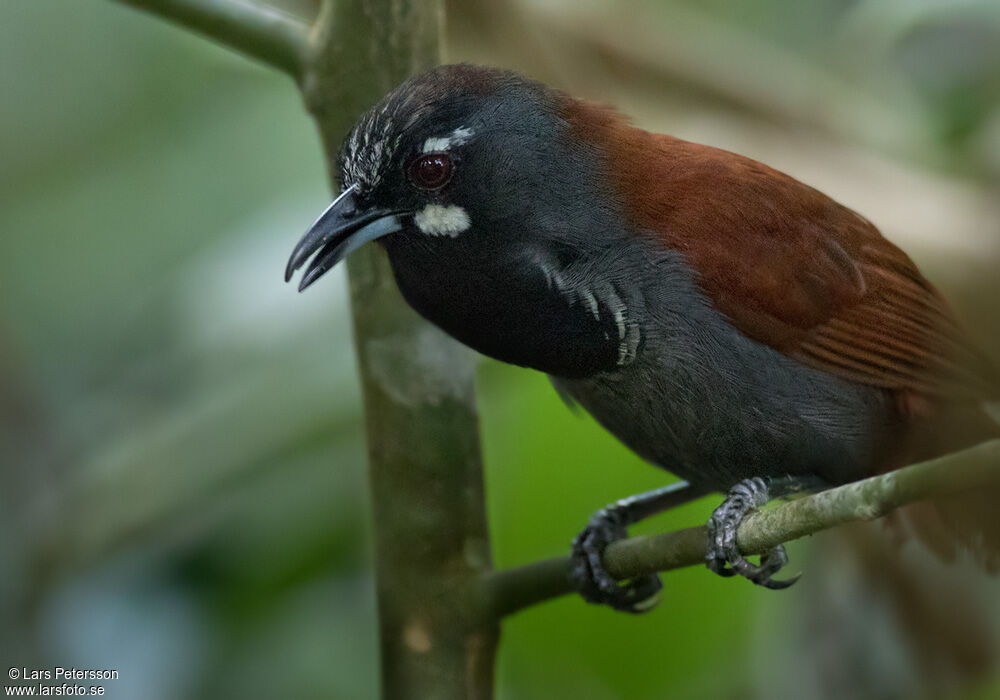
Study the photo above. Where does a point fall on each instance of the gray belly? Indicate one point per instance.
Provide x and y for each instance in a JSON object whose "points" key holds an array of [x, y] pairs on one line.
{"points": [[714, 407]]}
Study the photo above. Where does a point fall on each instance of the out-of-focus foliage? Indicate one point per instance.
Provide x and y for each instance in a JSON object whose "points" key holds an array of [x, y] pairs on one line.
{"points": [[181, 460]]}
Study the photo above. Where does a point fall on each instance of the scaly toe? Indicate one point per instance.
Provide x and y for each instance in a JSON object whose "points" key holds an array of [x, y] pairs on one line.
{"points": [[723, 556], [589, 577]]}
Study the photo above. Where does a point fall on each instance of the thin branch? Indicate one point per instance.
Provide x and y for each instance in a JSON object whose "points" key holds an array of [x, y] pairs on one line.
{"points": [[508, 591], [259, 31]]}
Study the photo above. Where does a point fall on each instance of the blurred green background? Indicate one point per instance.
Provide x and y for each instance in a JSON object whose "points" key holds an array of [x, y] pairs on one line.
{"points": [[182, 476]]}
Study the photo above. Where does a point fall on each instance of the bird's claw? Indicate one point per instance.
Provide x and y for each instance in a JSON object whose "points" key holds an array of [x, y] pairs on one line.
{"points": [[724, 556], [588, 576]]}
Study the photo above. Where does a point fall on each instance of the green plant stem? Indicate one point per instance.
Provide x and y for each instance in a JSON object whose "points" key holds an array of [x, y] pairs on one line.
{"points": [[256, 30], [977, 467], [425, 469]]}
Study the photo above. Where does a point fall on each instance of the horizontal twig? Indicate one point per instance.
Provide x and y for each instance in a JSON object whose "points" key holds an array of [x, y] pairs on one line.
{"points": [[508, 591], [256, 30]]}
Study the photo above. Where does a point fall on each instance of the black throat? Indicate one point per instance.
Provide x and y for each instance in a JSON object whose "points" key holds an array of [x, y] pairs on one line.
{"points": [[508, 307]]}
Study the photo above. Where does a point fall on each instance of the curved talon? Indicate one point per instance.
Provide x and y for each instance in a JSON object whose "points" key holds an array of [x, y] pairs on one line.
{"points": [[723, 555], [588, 576]]}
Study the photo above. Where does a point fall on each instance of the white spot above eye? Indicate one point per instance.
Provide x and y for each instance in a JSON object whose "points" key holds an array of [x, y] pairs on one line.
{"points": [[441, 220], [443, 143]]}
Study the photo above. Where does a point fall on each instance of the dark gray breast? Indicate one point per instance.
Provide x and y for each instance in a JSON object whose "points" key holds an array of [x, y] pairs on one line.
{"points": [[712, 406]]}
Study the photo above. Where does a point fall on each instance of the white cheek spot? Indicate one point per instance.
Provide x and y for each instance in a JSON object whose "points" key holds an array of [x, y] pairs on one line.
{"points": [[440, 220], [443, 143]]}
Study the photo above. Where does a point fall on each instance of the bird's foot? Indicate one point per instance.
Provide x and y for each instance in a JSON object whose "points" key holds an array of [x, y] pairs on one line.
{"points": [[588, 576], [724, 556]]}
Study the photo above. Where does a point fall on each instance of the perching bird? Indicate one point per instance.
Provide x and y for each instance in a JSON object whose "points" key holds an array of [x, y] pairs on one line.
{"points": [[725, 321]]}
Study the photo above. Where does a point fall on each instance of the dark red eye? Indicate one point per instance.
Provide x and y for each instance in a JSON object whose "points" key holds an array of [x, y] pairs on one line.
{"points": [[431, 170]]}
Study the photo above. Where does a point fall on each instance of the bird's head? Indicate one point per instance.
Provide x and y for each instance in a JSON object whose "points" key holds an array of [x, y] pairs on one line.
{"points": [[462, 163]]}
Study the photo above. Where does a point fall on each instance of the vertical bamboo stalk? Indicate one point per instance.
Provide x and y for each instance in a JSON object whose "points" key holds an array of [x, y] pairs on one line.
{"points": [[425, 468]]}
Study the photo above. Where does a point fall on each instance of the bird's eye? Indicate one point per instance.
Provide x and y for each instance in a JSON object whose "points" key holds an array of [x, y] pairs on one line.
{"points": [[431, 171]]}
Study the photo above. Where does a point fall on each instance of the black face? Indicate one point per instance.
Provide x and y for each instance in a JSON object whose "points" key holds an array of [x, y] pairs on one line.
{"points": [[470, 179], [397, 170]]}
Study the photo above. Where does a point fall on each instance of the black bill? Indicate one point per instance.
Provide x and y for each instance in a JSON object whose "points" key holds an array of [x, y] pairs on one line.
{"points": [[339, 231]]}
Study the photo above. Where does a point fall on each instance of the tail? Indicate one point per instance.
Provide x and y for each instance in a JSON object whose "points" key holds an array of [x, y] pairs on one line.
{"points": [[876, 618], [874, 621], [967, 522]]}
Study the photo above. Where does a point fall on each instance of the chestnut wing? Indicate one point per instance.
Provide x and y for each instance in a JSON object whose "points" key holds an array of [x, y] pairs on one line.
{"points": [[793, 269]]}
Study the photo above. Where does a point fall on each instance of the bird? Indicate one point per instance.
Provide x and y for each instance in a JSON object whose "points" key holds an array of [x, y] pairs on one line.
{"points": [[725, 321]]}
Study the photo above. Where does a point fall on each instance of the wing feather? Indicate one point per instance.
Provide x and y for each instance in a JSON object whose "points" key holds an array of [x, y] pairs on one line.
{"points": [[795, 270]]}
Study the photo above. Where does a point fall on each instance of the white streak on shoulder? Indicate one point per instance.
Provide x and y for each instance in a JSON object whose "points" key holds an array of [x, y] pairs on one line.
{"points": [[591, 301], [441, 220], [553, 280], [628, 331], [628, 347], [618, 310], [443, 143]]}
